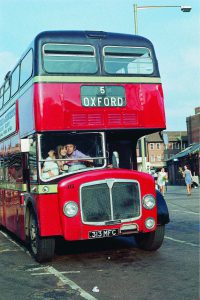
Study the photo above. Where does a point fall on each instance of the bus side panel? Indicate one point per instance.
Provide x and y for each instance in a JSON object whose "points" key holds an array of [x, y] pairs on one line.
{"points": [[13, 213], [10, 207], [48, 214], [48, 106], [151, 100], [2, 207], [26, 113]]}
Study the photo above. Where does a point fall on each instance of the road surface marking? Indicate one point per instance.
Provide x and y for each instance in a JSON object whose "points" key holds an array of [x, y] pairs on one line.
{"points": [[10, 240], [69, 282], [64, 279], [8, 250], [182, 242], [46, 273], [16, 244], [185, 211]]}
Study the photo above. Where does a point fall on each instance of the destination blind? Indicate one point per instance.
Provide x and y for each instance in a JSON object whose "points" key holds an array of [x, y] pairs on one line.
{"points": [[103, 96]]}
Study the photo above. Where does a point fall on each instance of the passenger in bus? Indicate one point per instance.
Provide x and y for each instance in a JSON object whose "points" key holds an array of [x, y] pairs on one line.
{"points": [[76, 164], [50, 168], [69, 151], [61, 153]]}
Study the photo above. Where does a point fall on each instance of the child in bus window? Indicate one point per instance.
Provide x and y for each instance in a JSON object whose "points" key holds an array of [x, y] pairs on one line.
{"points": [[50, 168]]}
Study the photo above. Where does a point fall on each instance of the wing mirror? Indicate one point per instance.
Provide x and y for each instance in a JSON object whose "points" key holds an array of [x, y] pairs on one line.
{"points": [[115, 159]]}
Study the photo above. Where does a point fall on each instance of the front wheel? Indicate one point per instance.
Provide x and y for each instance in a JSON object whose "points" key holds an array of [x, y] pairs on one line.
{"points": [[42, 248], [151, 241]]}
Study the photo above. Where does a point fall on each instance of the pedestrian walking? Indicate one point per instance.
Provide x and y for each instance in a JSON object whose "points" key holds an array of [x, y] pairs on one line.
{"points": [[188, 179], [162, 177]]}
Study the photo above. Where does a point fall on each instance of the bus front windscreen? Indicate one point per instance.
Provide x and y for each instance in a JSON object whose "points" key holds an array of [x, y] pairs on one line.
{"points": [[61, 154]]}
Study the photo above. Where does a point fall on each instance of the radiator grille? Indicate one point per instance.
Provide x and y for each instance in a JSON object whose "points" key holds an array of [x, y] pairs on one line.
{"points": [[110, 201]]}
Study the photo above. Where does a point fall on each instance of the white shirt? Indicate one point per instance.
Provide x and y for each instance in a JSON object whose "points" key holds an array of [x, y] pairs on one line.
{"points": [[50, 165]]}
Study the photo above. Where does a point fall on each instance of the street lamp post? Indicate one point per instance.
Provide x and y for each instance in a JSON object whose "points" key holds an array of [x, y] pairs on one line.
{"points": [[183, 8], [136, 8]]}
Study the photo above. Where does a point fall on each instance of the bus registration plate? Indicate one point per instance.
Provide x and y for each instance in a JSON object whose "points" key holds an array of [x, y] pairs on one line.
{"points": [[103, 233], [103, 96]]}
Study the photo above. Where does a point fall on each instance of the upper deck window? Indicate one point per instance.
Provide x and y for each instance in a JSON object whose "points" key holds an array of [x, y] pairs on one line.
{"points": [[69, 59], [127, 60], [15, 81], [26, 68], [7, 91], [1, 97]]}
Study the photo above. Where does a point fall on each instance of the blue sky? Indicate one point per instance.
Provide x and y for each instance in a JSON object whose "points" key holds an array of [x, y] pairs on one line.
{"points": [[175, 35]]}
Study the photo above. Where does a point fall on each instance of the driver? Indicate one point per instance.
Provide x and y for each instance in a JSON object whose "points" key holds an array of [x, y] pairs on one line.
{"points": [[73, 153]]}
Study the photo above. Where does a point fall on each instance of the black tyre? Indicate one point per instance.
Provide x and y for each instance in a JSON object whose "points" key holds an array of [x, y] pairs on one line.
{"points": [[151, 241], [42, 249]]}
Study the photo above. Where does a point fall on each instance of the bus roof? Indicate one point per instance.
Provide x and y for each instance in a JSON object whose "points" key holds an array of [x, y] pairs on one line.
{"points": [[82, 36], [101, 38]]}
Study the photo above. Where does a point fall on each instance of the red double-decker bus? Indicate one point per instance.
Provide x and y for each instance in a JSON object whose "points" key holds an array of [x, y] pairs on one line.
{"points": [[71, 113]]}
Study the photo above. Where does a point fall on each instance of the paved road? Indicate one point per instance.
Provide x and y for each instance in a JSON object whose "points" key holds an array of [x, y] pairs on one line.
{"points": [[116, 267]]}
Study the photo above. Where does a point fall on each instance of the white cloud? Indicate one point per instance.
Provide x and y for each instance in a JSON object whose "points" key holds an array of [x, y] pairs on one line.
{"points": [[7, 62]]}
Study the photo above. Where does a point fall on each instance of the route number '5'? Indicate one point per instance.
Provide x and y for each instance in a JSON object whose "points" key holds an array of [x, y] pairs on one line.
{"points": [[102, 90]]}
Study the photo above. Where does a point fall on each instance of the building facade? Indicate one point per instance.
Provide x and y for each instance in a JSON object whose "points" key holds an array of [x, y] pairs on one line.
{"points": [[174, 149], [158, 151], [193, 127]]}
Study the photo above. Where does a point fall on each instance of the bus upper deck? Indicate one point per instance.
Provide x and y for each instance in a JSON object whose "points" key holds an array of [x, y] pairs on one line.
{"points": [[78, 80]]}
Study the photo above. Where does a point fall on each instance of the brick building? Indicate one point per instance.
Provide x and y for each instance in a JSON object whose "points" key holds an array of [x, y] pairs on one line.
{"points": [[157, 153], [193, 127]]}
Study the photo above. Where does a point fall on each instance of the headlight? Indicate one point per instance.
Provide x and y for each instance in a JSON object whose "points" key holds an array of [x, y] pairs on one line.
{"points": [[149, 223], [149, 201], [70, 209]]}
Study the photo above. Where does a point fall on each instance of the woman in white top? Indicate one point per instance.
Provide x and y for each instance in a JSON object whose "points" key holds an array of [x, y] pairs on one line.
{"points": [[50, 168], [162, 177]]}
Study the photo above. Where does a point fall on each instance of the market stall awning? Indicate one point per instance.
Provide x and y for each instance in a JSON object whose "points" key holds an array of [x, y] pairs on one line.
{"points": [[194, 148]]}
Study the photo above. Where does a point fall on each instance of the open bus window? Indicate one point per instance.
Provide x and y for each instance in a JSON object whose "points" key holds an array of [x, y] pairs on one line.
{"points": [[7, 91], [32, 160], [127, 60], [67, 153], [15, 170], [69, 59], [1, 168]]}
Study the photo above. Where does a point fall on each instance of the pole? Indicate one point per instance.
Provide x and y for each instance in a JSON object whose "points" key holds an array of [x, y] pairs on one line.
{"points": [[136, 7], [142, 140], [143, 153], [135, 18]]}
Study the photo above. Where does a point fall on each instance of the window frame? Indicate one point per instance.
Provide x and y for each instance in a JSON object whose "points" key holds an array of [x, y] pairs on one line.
{"points": [[5, 91], [21, 84], [158, 146], [127, 74], [72, 55], [1, 96], [151, 146], [42, 160], [15, 91]]}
